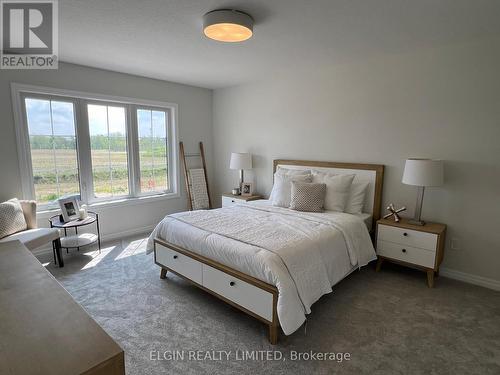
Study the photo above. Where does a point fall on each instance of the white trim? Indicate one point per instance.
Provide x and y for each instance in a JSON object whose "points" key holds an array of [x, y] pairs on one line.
{"points": [[127, 233], [133, 151], [107, 205], [21, 87], [83, 151], [470, 278], [47, 249], [79, 100], [23, 148]]}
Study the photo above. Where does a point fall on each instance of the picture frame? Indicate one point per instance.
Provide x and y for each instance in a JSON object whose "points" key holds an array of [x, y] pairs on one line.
{"points": [[247, 189], [69, 208]]}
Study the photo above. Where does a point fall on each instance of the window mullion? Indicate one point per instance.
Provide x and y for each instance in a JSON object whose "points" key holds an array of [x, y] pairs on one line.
{"points": [[83, 149], [133, 152], [172, 184], [23, 138]]}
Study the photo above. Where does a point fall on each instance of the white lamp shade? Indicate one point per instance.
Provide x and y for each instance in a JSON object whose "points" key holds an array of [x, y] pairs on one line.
{"points": [[240, 160], [423, 172]]}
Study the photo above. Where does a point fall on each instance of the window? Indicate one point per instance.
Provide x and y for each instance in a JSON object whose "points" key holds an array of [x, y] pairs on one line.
{"points": [[101, 148], [52, 139], [108, 148], [152, 128]]}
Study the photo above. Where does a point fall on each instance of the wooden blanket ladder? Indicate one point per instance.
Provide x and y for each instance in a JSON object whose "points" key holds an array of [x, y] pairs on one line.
{"points": [[196, 179]]}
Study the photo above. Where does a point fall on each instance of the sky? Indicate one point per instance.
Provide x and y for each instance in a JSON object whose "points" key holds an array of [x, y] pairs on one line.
{"points": [[38, 112]]}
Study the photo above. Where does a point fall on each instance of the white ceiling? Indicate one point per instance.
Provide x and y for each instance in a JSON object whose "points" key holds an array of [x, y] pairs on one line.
{"points": [[163, 38]]}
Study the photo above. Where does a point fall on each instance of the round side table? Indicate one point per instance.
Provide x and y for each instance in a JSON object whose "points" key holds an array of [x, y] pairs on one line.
{"points": [[77, 240]]}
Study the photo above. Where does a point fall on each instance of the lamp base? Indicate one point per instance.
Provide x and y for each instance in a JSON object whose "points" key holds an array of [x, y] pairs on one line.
{"points": [[418, 207], [416, 222]]}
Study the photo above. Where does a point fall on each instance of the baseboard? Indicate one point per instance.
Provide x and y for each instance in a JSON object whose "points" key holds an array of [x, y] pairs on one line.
{"points": [[446, 272], [104, 238], [471, 279], [131, 232]]}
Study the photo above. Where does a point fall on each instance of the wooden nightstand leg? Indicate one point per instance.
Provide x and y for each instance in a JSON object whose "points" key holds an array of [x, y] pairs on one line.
{"points": [[437, 273], [163, 273], [379, 264], [430, 278]]}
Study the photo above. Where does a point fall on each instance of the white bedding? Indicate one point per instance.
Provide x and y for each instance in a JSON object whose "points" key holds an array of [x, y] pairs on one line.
{"points": [[367, 218], [329, 245]]}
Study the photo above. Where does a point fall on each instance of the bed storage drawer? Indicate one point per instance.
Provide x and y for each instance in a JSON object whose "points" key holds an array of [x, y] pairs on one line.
{"points": [[180, 263], [407, 237], [244, 294], [406, 254]]}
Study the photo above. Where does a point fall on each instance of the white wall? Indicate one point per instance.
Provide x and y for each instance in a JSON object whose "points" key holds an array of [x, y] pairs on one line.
{"points": [[437, 103], [195, 124]]}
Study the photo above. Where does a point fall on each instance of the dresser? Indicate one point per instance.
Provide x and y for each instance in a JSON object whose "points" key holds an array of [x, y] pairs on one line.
{"points": [[230, 199], [411, 245], [43, 330]]}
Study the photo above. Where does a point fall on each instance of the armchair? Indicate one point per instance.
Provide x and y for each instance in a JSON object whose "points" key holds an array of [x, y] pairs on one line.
{"points": [[33, 236]]}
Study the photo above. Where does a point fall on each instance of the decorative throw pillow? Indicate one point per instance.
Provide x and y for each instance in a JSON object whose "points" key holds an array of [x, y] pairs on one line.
{"points": [[356, 199], [308, 196], [282, 189], [337, 189], [11, 218]]}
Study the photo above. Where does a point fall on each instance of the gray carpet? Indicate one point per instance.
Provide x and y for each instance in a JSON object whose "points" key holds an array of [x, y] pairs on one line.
{"points": [[389, 322]]}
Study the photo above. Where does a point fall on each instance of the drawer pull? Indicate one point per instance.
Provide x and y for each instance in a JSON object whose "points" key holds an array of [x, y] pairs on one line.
{"points": [[403, 250], [175, 256], [232, 200], [231, 283], [405, 234]]}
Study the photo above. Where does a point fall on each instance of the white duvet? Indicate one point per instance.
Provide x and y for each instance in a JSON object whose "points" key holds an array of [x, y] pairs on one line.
{"points": [[302, 254]]}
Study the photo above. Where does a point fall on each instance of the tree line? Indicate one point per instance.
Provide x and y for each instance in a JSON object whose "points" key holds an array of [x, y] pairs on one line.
{"points": [[115, 142]]}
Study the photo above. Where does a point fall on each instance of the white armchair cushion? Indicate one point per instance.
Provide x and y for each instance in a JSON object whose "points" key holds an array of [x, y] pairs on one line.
{"points": [[33, 238], [29, 210], [11, 218]]}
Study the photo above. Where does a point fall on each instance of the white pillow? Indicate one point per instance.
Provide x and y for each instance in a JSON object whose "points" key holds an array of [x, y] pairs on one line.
{"points": [[294, 172], [288, 172], [356, 199], [338, 187], [282, 188]]}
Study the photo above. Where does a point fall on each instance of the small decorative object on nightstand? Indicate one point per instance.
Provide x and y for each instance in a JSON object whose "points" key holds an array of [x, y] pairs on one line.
{"points": [[246, 189], [411, 245], [394, 212], [230, 199]]}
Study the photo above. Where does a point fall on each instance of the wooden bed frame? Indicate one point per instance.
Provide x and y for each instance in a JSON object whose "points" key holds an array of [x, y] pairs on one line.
{"points": [[225, 282]]}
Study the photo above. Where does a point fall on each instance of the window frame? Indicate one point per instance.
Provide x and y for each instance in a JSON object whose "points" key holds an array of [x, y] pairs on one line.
{"points": [[91, 198], [80, 101], [169, 148]]}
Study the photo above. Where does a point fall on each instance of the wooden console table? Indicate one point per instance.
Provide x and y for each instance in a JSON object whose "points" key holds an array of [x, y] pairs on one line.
{"points": [[43, 330]]}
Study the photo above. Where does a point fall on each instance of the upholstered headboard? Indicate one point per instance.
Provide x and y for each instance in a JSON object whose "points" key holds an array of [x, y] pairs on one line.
{"points": [[372, 173]]}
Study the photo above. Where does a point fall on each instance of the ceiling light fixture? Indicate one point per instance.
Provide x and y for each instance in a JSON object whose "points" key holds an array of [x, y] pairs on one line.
{"points": [[228, 25]]}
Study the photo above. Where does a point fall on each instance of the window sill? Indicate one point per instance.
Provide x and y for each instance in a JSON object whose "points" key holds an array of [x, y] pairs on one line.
{"points": [[101, 206]]}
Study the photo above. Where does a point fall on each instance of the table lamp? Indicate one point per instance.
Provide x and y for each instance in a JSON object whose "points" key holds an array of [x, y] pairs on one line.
{"points": [[241, 161], [422, 173]]}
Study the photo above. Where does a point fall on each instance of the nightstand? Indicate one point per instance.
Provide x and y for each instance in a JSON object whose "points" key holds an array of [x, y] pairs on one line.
{"points": [[230, 199], [411, 245]]}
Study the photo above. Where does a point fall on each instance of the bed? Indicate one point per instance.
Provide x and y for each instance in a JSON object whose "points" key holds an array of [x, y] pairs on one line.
{"points": [[271, 262]]}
